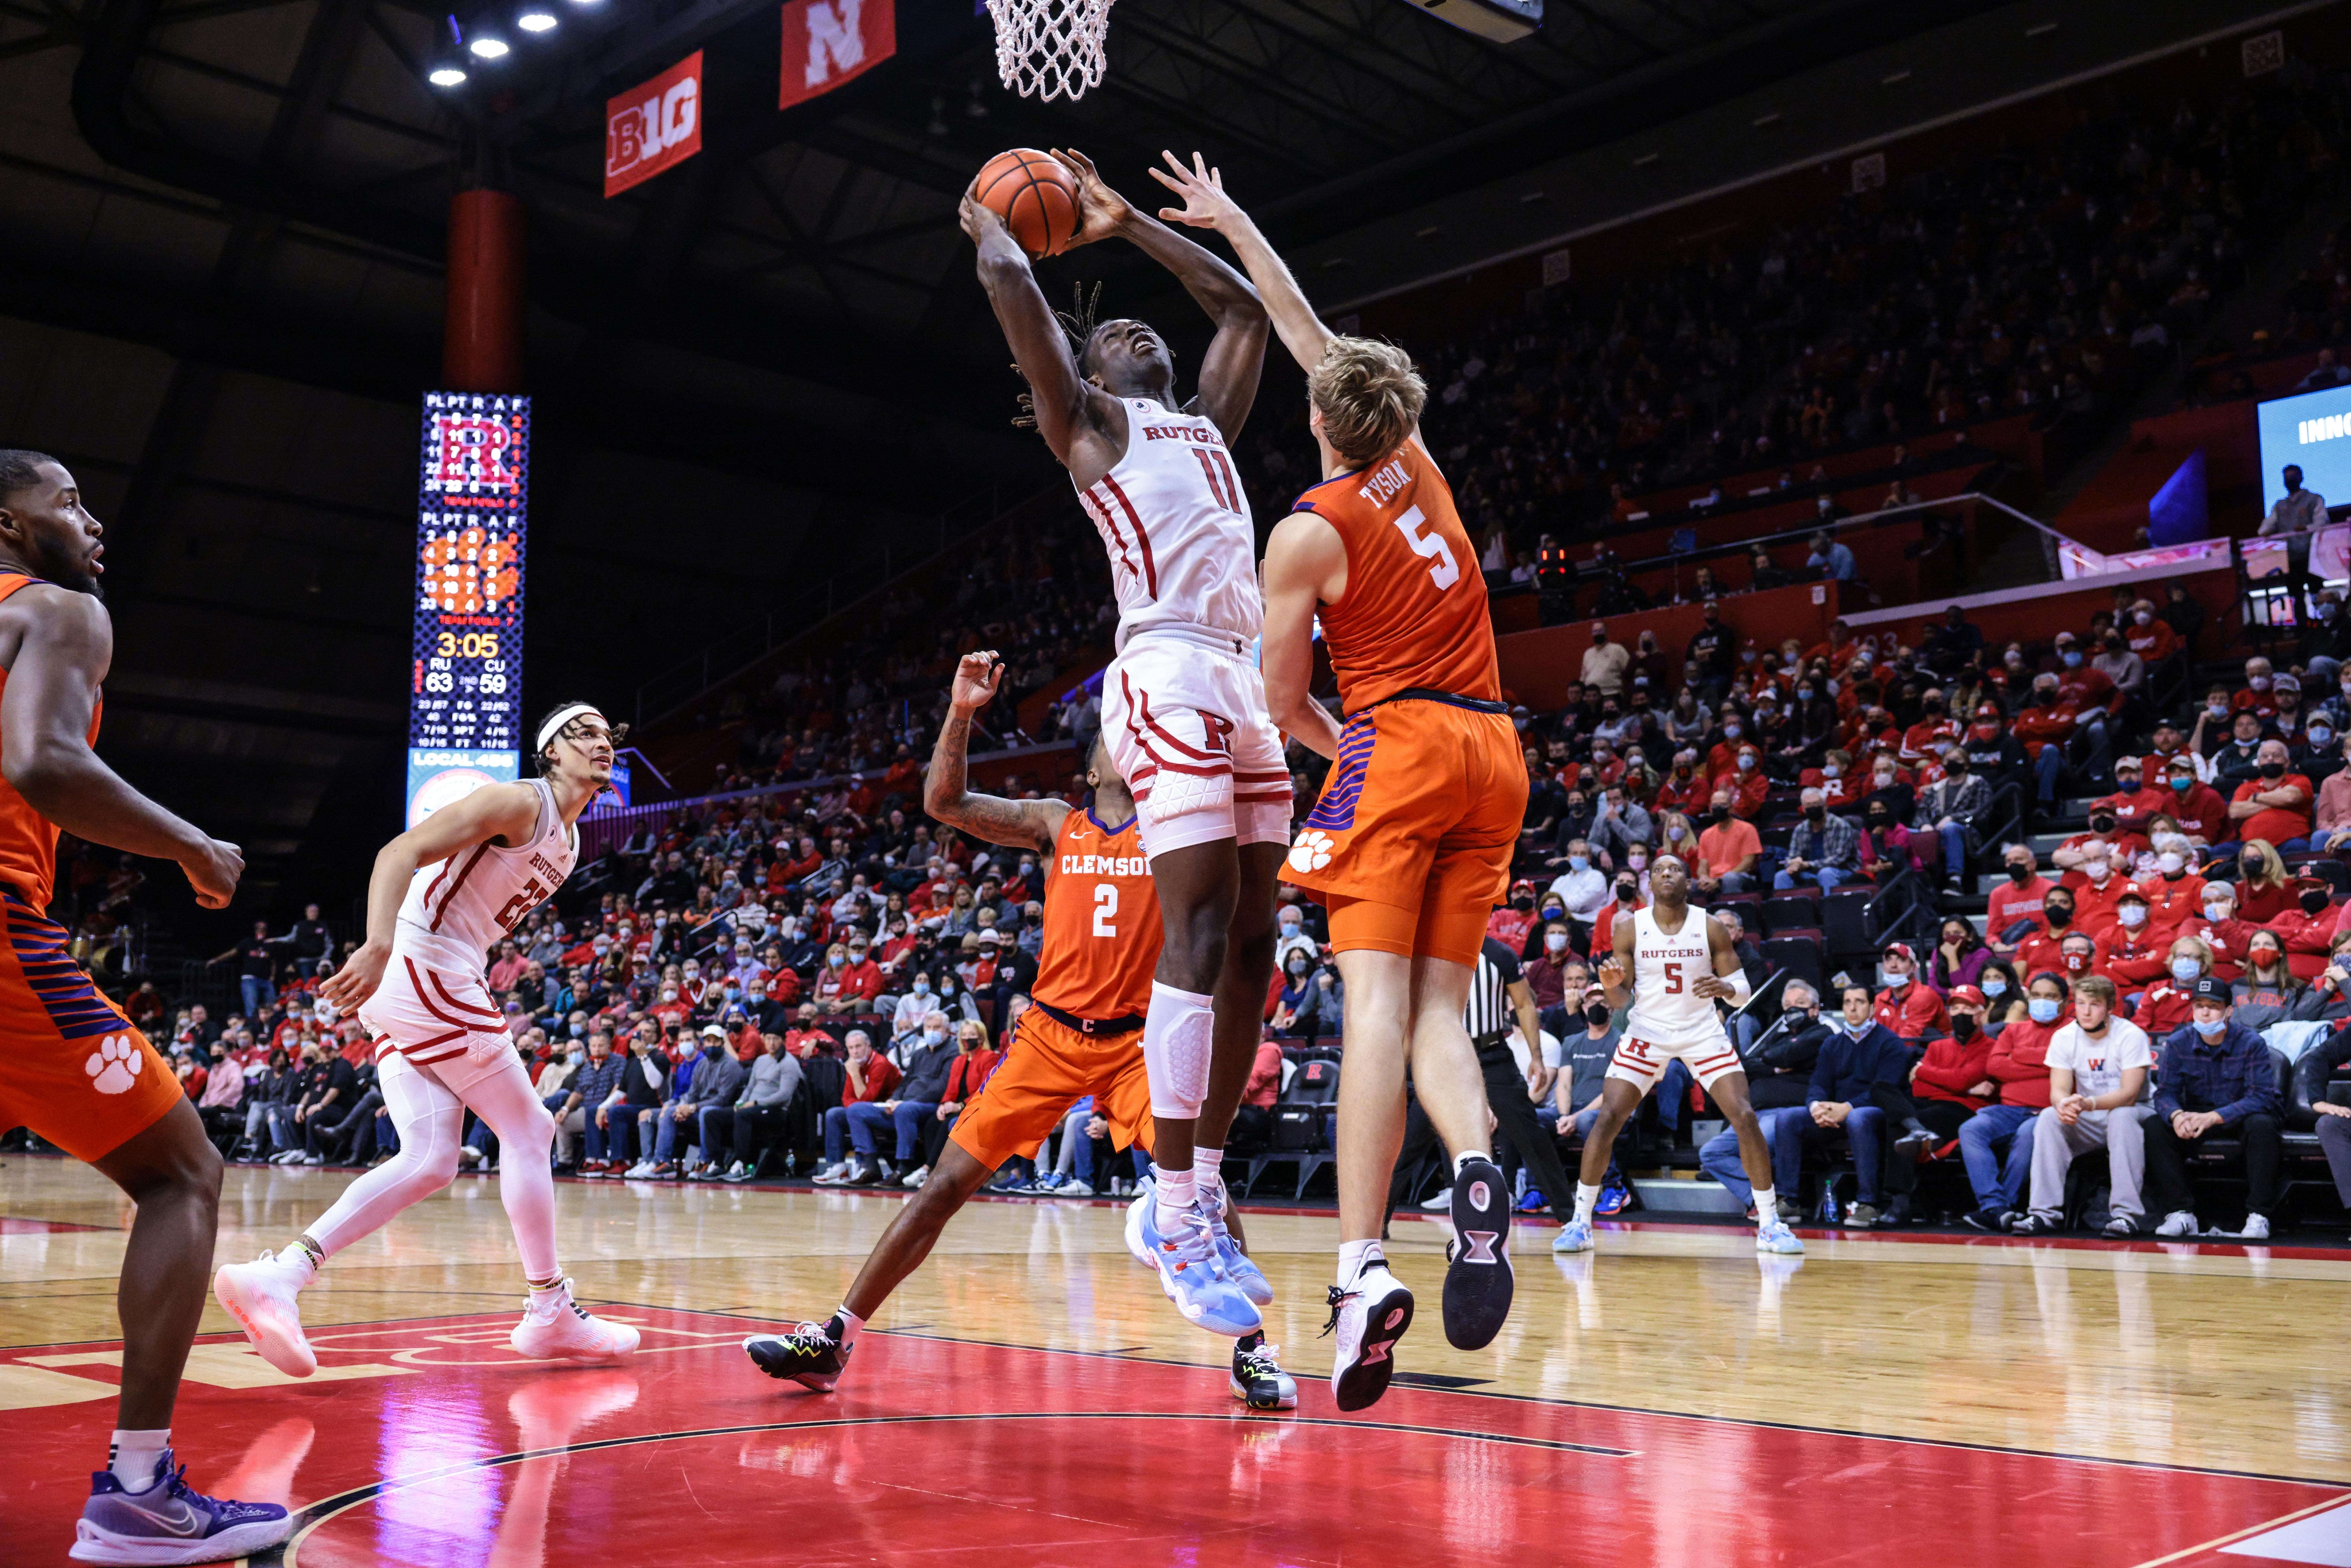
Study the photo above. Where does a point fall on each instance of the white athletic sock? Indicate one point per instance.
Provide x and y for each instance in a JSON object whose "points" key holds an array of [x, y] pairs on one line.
{"points": [[852, 1325], [131, 1454], [1208, 1174], [1464, 1158], [1354, 1255], [301, 1260], [1174, 1193], [1767, 1206], [1586, 1198]]}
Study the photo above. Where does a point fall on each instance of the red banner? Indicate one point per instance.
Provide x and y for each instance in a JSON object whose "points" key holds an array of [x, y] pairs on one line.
{"points": [[653, 126], [826, 42]]}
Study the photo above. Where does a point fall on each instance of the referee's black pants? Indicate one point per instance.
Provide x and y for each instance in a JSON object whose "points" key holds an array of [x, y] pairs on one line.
{"points": [[1520, 1137]]}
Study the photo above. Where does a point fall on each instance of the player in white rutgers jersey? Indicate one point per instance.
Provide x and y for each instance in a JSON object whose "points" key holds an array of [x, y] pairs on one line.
{"points": [[1680, 961], [443, 892], [1184, 709]]}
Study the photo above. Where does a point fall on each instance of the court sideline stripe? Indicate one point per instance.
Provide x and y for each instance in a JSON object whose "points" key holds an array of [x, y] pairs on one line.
{"points": [[2219, 1541], [325, 1510]]}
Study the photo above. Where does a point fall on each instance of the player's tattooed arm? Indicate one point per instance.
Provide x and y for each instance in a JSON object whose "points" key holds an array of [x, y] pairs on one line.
{"points": [[946, 784], [1726, 962], [1084, 425], [1236, 356]]}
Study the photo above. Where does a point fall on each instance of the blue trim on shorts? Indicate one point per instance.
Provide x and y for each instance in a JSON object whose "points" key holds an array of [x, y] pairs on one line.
{"points": [[1335, 812]]}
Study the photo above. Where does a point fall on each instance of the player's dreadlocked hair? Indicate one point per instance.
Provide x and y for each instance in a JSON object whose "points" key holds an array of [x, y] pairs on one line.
{"points": [[1078, 324]]}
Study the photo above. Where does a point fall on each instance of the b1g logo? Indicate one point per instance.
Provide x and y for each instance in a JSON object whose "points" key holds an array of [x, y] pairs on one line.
{"points": [[654, 127]]}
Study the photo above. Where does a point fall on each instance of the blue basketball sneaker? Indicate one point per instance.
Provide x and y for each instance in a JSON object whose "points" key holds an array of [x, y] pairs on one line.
{"points": [[1190, 1271], [166, 1522], [1230, 1257], [1773, 1235], [1575, 1235]]}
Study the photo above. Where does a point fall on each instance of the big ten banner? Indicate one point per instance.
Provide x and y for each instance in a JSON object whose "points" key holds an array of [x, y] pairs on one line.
{"points": [[654, 127], [465, 680], [827, 42]]}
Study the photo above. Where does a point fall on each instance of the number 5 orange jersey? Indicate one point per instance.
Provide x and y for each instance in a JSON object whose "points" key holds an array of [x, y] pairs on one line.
{"points": [[1413, 614], [1410, 844]]}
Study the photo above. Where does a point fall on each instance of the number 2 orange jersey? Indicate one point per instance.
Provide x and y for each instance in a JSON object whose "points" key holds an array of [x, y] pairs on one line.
{"points": [[1413, 614], [1102, 922]]}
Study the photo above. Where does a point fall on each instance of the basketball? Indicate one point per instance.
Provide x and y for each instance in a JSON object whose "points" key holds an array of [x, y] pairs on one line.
{"points": [[1034, 195]]}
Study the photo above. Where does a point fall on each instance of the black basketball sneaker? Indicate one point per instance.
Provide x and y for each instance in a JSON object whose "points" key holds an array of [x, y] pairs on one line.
{"points": [[811, 1355], [1477, 1278]]}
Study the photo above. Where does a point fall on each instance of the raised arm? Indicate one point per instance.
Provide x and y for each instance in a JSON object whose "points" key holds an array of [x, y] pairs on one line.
{"points": [[1304, 558], [946, 783], [1235, 357], [507, 812], [1206, 206], [1084, 426], [64, 645]]}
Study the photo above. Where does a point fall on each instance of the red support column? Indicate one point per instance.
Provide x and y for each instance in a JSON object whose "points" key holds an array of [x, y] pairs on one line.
{"points": [[481, 346]]}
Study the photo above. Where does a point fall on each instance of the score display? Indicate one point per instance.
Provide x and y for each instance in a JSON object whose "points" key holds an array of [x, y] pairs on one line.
{"points": [[464, 693]]}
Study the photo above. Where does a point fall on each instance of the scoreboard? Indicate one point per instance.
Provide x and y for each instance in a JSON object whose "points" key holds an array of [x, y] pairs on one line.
{"points": [[464, 692]]}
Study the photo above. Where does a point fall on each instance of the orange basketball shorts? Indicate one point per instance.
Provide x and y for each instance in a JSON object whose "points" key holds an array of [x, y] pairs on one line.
{"points": [[71, 1067], [1047, 1068], [1410, 844]]}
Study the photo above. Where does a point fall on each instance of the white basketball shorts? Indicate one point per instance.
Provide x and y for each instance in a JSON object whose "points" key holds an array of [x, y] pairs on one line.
{"points": [[433, 1018], [1641, 1063], [1185, 718]]}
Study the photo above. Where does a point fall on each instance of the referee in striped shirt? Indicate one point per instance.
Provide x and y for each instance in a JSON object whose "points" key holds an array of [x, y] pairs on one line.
{"points": [[1500, 1000]]}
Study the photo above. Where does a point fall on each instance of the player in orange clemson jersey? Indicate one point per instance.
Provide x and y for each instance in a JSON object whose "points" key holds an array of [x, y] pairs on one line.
{"points": [[1081, 1035], [1410, 845]]}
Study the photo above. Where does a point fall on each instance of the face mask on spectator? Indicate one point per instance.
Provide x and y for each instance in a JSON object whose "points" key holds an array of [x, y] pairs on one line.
{"points": [[836, 959], [2043, 1009], [1579, 863], [2217, 710], [1747, 762], [1731, 728], [1832, 770], [1993, 985], [2259, 683], [2320, 735], [1626, 891], [2314, 900], [577, 1054], [933, 1036], [2142, 617], [1963, 1028], [2172, 862], [2131, 914], [2213, 1030], [1597, 1014], [1638, 863], [2272, 770], [2181, 783], [1291, 921], [922, 985], [1298, 967]]}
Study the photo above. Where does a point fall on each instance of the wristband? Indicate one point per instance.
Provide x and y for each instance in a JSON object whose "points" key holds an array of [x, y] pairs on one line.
{"points": [[1740, 991]]}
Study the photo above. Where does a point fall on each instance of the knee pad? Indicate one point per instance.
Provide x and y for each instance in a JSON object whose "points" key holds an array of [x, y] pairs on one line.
{"points": [[1179, 1039]]}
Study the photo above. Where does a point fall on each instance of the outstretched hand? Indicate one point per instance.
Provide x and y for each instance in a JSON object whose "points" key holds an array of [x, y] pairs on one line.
{"points": [[1100, 210], [1206, 205], [975, 680], [978, 219]]}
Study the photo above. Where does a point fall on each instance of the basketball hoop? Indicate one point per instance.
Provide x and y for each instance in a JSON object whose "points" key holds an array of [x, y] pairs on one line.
{"points": [[1050, 49]]}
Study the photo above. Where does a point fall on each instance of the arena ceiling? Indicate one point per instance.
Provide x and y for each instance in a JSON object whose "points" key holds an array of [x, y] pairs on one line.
{"points": [[222, 224]]}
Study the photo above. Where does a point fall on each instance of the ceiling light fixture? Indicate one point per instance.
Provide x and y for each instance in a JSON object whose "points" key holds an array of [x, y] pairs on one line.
{"points": [[447, 76], [535, 21], [489, 49]]}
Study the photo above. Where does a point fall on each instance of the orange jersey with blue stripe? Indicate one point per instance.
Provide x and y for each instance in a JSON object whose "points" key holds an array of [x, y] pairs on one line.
{"points": [[29, 840], [1413, 614], [1102, 921]]}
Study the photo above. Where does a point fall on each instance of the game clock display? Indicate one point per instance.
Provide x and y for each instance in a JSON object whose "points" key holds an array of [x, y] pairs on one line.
{"points": [[464, 688]]}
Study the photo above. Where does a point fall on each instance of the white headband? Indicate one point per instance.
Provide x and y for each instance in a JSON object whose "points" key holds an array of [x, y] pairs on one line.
{"points": [[559, 718]]}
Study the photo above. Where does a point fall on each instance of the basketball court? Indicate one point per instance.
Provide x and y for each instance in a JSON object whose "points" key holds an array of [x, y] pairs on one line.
{"points": [[1672, 1400]]}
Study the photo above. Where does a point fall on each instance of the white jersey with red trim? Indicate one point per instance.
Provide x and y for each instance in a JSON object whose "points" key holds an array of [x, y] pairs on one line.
{"points": [[456, 910], [1666, 1009], [1177, 524]]}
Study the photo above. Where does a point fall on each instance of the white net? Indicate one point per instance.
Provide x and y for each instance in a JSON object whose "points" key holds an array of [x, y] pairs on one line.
{"points": [[1050, 49]]}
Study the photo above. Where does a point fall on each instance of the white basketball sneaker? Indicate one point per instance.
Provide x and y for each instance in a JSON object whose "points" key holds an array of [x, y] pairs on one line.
{"points": [[554, 1327], [1369, 1316], [260, 1296]]}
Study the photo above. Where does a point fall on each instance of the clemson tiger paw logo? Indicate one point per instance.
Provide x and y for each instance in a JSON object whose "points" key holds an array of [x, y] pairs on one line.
{"points": [[1310, 852], [114, 1066]]}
